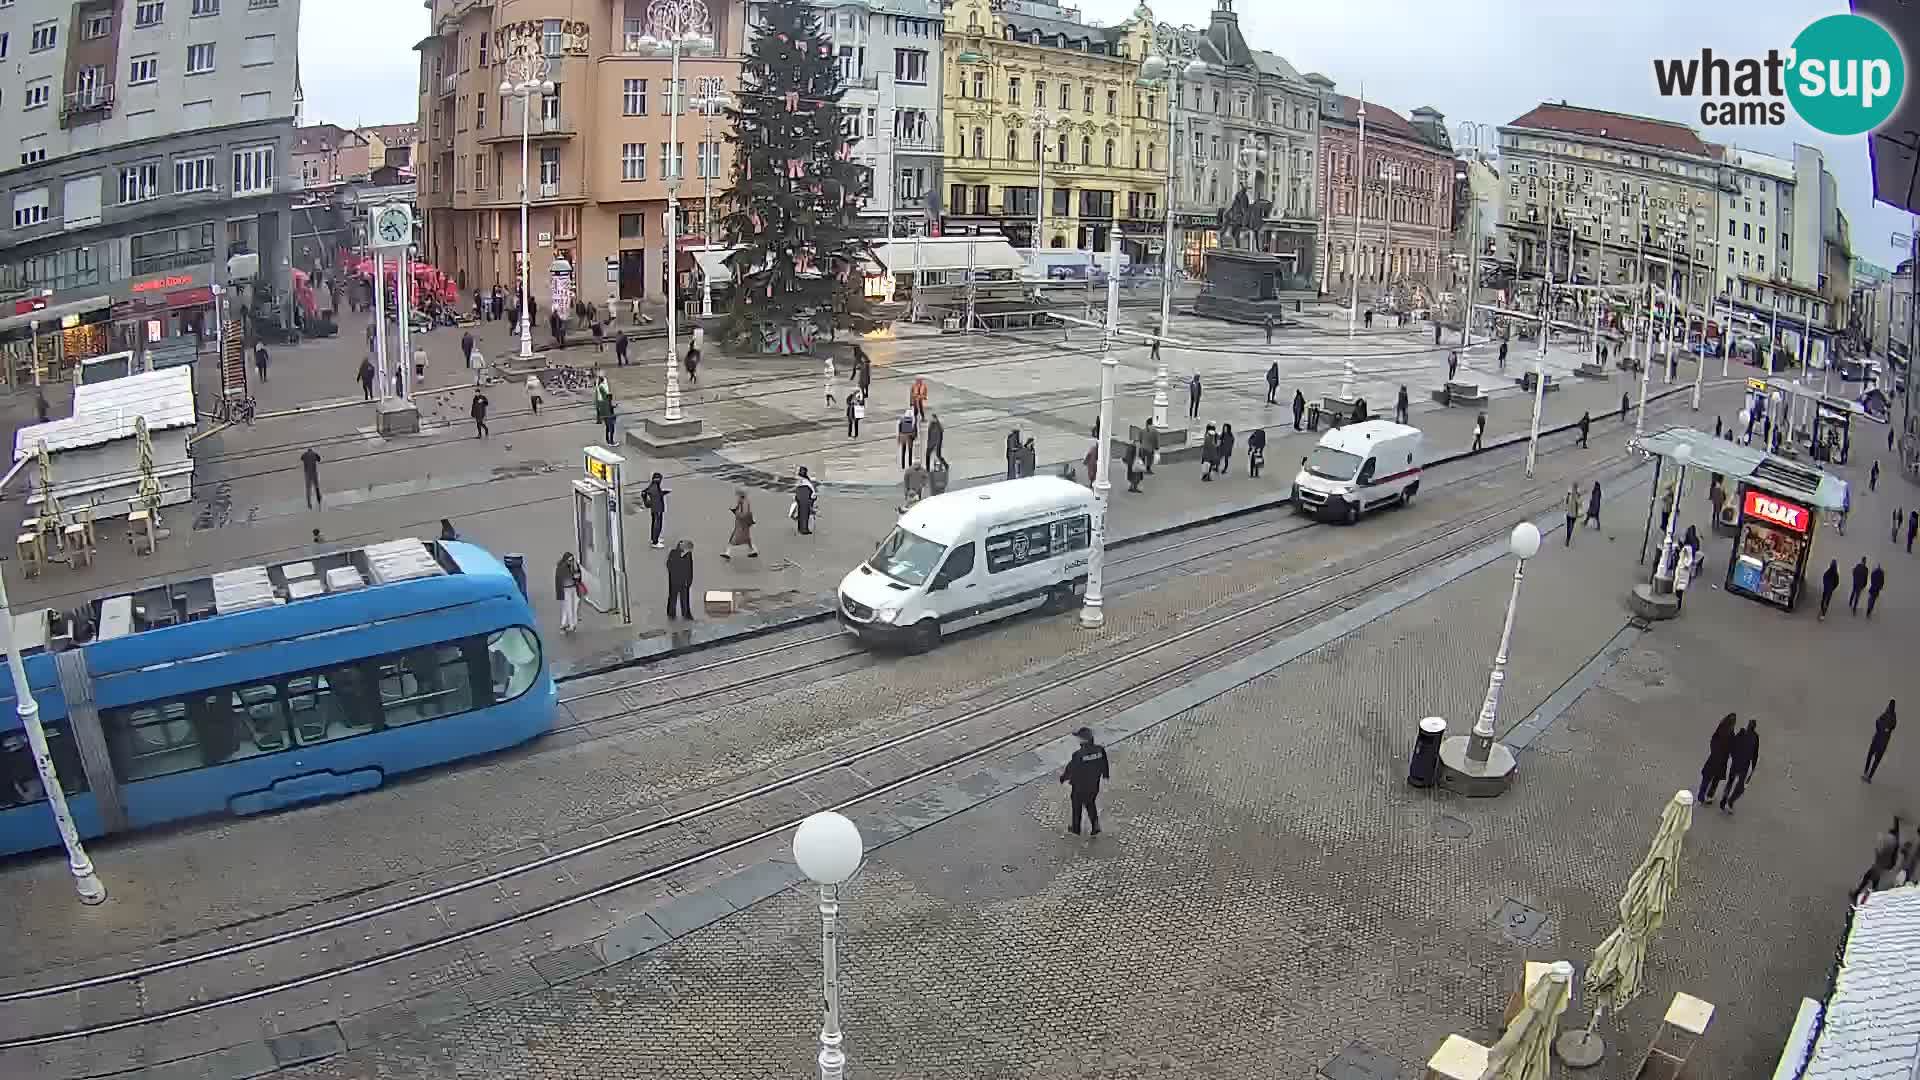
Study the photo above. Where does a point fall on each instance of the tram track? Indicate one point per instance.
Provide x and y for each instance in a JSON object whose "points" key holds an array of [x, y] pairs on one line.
{"points": [[1453, 538]]}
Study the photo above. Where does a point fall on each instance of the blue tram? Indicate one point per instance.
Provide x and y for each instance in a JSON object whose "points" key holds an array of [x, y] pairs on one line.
{"points": [[265, 687]]}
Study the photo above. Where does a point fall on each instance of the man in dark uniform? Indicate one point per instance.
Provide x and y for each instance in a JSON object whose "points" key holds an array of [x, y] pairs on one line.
{"points": [[1082, 775]]}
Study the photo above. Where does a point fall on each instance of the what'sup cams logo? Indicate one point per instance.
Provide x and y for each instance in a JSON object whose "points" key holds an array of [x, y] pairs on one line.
{"points": [[1844, 75]]}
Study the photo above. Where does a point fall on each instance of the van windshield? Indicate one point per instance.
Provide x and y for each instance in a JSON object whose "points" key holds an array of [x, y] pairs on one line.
{"points": [[1330, 464], [907, 557]]}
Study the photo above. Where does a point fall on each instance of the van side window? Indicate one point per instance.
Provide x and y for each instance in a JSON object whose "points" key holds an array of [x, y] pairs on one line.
{"points": [[1034, 543], [959, 563], [1366, 472]]}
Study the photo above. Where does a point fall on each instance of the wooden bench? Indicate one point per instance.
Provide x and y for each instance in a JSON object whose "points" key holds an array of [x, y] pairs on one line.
{"points": [[1459, 393]]}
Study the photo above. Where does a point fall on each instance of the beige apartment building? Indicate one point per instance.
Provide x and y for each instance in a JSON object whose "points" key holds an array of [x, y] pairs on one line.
{"points": [[597, 147]]}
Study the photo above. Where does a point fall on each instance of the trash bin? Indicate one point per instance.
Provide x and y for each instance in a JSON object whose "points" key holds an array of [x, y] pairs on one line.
{"points": [[517, 566], [1425, 766], [1313, 416]]}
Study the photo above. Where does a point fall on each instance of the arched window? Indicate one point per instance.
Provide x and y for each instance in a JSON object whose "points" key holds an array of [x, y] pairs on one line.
{"points": [[1149, 157], [1013, 146], [1109, 153], [1036, 146], [1136, 155], [979, 142], [1061, 155], [1086, 150]]}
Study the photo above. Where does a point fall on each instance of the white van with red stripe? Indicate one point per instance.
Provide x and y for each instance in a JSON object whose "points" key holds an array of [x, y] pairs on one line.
{"points": [[1357, 468]]}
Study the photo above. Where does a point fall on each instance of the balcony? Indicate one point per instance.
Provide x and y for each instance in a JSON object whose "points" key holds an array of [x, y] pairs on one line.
{"points": [[539, 128], [89, 103], [448, 84]]}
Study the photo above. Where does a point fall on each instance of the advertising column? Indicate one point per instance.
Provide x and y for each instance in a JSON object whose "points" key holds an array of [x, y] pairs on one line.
{"points": [[1770, 550]]}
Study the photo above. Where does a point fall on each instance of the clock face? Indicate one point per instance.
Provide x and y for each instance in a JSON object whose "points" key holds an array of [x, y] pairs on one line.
{"points": [[393, 227]]}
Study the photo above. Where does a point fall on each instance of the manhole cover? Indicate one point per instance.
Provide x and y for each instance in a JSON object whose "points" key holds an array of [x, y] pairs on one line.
{"points": [[1519, 923], [1448, 827], [1362, 1062]]}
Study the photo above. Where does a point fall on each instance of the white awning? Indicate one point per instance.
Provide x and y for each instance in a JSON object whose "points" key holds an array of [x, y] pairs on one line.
{"points": [[103, 412], [713, 265], [943, 253]]}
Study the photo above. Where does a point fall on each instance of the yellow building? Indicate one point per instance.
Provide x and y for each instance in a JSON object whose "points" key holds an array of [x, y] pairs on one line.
{"points": [[1036, 92]]}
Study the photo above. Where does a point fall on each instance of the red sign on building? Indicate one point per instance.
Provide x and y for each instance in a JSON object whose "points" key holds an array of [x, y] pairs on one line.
{"points": [[1775, 510]]}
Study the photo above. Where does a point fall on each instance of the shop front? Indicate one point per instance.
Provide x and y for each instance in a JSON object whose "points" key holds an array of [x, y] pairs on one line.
{"points": [[167, 318], [162, 318], [42, 343], [1773, 540]]}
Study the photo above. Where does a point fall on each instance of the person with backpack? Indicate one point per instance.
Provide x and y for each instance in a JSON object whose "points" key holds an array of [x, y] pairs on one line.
{"points": [[907, 431], [654, 498]]}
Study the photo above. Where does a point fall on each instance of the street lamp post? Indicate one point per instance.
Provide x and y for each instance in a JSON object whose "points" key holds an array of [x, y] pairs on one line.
{"points": [[675, 26], [1092, 614], [1540, 355], [1041, 124], [1359, 198], [1663, 568], [85, 881], [828, 849], [1524, 543], [1165, 65], [526, 74], [1473, 257], [711, 100]]}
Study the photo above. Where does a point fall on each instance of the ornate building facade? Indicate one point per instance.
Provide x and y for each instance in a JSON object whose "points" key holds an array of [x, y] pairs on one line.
{"points": [[1401, 190]]}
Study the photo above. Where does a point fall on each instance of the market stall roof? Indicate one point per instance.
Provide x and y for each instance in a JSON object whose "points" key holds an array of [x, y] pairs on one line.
{"points": [[1872, 1021], [1797, 388], [713, 264], [1751, 465], [948, 253], [103, 412]]}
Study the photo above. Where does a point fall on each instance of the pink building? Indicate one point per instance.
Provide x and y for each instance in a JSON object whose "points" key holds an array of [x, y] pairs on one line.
{"points": [[1405, 209]]}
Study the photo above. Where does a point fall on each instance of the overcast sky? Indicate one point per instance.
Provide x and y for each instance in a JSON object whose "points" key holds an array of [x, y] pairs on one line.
{"points": [[1481, 60]]}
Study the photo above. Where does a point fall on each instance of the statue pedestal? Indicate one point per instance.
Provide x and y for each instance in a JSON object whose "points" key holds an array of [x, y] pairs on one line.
{"points": [[1244, 287]]}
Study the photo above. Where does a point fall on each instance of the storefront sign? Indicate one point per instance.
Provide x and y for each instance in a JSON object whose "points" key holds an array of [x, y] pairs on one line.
{"points": [[1776, 511], [30, 305], [162, 284]]}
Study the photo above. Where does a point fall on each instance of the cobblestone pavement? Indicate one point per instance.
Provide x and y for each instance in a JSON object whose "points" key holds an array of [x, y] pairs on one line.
{"points": [[1241, 917]]}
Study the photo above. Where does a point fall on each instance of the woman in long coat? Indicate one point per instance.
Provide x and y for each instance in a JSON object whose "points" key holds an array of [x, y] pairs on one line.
{"points": [[1719, 748], [742, 534]]}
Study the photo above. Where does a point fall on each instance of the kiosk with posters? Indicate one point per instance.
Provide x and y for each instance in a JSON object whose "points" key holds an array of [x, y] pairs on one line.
{"points": [[599, 533], [1771, 547]]}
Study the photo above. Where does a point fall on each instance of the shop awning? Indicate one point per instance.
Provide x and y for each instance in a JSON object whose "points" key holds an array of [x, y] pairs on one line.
{"points": [[57, 311], [941, 253], [1751, 465], [1870, 1027]]}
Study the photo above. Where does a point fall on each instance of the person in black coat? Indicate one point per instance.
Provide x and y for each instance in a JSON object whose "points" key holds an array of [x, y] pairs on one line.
{"points": [[1859, 585], [1256, 452], [1224, 453], [1400, 405], [1082, 775], [1273, 372], [478, 410], [1829, 584], [1013, 453], [803, 499], [1875, 582], [654, 498], [1742, 763], [680, 580], [1299, 407], [1719, 749], [1209, 452], [1882, 735], [1359, 410]]}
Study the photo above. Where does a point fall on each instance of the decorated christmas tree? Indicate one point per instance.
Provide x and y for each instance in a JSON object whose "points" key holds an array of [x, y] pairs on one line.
{"points": [[795, 184]]}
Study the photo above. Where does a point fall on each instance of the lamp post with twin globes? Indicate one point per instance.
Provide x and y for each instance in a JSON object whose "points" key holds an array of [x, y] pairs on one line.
{"points": [[526, 72]]}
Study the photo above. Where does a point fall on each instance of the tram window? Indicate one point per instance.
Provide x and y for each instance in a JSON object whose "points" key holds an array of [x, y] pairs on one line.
{"points": [[20, 781], [513, 661], [425, 683]]}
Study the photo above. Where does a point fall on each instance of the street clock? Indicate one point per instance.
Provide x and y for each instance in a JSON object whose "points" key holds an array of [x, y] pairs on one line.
{"points": [[393, 226]]}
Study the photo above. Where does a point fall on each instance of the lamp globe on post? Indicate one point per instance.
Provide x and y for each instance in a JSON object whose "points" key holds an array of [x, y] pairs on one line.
{"points": [[828, 849], [1477, 765]]}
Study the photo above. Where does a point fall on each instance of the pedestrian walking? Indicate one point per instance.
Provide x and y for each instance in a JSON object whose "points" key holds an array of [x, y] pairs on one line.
{"points": [[1130, 457], [1453, 364], [1719, 751], [1209, 452], [1082, 774], [478, 410], [906, 430], [310, 469], [1899, 516], [1886, 855], [1875, 583], [1593, 506], [1223, 452], [936, 441], [1573, 511], [1717, 497], [692, 364], [1400, 405], [1503, 354], [1193, 397], [1299, 407], [1013, 454], [1829, 584], [1586, 421], [260, 361], [466, 348], [866, 375], [367, 375], [742, 534], [917, 399], [805, 497], [1273, 373], [599, 331], [1369, 319], [1683, 574], [856, 412], [1268, 326], [1436, 330], [1479, 431], [1742, 763], [1091, 462], [654, 498], [568, 589], [556, 326], [40, 405], [1626, 407], [1717, 422], [1873, 478], [1882, 735], [620, 349], [1256, 452], [1860, 575], [536, 393], [1153, 351], [1149, 446], [1913, 526], [680, 580], [603, 412]]}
